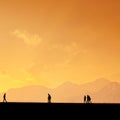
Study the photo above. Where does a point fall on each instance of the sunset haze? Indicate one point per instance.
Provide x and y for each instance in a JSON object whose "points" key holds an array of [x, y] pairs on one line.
{"points": [[49, 42]]}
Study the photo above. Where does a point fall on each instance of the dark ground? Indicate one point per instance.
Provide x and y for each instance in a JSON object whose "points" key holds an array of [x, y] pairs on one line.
{"points": [[60, 110]]}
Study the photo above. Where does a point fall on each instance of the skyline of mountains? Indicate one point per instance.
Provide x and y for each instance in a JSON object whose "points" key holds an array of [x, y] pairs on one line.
{"points": [[101, 91]]}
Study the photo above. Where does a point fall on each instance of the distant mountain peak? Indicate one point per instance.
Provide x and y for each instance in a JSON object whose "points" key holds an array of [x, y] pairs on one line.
{"points": [[68, 84], [102, 80]]}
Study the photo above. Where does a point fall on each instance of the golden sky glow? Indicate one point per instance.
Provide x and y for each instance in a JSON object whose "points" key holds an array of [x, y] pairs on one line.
{"points": [[48, 42]]}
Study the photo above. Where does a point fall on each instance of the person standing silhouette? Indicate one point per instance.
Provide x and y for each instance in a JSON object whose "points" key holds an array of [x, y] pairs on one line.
{"points": [[84, 98], [49, 98], [4, 98]]}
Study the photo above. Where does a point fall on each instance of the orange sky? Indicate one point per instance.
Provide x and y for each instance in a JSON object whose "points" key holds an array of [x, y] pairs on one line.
{"points": [[48, 42]]}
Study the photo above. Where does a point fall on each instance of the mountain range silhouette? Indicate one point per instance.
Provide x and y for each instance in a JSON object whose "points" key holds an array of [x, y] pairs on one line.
{"points": [[100, 90]]}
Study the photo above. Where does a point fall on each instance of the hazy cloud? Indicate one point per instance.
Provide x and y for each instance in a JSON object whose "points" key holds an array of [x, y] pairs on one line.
{"points": [[29, 39]]}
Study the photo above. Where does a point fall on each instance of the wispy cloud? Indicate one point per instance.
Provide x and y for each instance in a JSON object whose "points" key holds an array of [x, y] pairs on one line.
{"points": [[72, 51], [29, 39]]}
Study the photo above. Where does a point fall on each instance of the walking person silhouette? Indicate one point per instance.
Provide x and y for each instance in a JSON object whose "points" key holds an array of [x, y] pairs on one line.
{"points": [[4, 98], [88, 99], [49, 98]]}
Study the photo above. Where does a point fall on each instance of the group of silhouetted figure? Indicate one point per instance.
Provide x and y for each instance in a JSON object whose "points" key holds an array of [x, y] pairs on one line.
{"points": [[87, 98]]}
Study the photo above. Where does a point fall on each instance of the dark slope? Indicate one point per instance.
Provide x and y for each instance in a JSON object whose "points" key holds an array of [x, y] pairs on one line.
{"points": [[59, 110]]}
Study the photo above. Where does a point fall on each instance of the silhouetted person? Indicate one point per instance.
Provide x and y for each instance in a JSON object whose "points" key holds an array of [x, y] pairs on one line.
{"points": [[4, 98], [88, 99], [84, 98], [49, 98]]}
